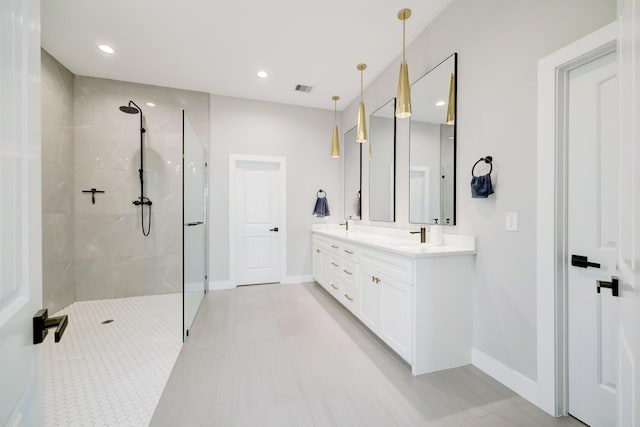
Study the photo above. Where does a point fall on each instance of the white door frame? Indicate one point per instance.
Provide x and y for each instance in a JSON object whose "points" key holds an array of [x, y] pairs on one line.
{"points": [[233, 212], [552, 264]]}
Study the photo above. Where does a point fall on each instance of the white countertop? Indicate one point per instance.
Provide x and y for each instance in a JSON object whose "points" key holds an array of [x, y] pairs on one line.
{"points": [[394, 240]]}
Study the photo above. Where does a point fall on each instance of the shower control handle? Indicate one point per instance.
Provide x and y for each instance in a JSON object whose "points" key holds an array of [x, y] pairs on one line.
{"points": [[139, 202]]}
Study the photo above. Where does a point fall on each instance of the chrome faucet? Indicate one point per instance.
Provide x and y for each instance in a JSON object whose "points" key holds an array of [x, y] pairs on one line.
{"points": [[346, 225], [423, 234]]}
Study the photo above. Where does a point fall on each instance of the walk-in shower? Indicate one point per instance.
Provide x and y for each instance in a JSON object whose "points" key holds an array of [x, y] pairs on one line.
{"points": [[142, 200]]}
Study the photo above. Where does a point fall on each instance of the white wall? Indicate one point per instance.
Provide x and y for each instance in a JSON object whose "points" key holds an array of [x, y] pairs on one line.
{"points": [[499, 43], [303, 136]]}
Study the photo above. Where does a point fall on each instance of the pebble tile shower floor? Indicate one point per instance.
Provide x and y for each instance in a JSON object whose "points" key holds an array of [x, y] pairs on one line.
{"points": [[111, 374]]}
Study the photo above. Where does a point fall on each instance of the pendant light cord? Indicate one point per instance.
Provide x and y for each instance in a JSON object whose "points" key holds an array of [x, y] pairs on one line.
{"points": [[404, 59], [361, 84]]}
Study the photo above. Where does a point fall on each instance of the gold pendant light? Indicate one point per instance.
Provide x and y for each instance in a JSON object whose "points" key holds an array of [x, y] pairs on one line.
{"points": [[335, 144], [451, 108], [403, 103], [361, 129]]}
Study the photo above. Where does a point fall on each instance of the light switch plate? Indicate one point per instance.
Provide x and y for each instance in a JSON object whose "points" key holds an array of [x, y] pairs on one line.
{"points": [[511, 221]]}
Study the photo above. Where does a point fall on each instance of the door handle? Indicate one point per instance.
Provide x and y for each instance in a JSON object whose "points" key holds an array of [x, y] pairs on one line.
{"points": [[613, 285], [583, 262], [42, 322], [191, 224], [274, 229]]}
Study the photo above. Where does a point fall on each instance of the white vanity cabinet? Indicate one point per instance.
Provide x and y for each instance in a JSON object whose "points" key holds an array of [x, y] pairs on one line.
{"points": [[386, 301], [418, 302]]}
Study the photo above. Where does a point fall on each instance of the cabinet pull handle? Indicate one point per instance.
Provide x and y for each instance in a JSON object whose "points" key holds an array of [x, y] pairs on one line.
{"points": [[334, 264], [348, 251], [334, 286], [348, 272], [318, 250], [334, 246], [373, 279], [348, 297]]}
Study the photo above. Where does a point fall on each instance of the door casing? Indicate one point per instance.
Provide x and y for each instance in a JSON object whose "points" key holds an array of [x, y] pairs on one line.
{"points": [[552, 259]]}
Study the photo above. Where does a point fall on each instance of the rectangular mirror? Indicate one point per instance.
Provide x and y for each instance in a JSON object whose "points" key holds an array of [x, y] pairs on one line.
{"points": [[432, 147], [352, 175], [382, 163]]}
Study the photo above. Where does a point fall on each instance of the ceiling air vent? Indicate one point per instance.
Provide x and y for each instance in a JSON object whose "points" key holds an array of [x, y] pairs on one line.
{"points": [[303, 88]]}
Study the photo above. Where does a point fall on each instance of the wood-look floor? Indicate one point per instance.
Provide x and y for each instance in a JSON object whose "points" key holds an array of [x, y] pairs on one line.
{"points": [[290, 355]]}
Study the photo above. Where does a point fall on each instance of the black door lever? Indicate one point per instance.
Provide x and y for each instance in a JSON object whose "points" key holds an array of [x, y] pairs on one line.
{"points": [[274, 229], [583, 261], [42, 322], [613, 285]]}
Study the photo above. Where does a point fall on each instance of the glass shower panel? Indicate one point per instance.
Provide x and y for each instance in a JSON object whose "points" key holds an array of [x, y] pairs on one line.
{"points": [[194, 215]]}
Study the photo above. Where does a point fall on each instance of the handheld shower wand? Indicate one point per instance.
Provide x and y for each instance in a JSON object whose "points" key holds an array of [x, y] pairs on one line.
{"points": [[142, 200]]}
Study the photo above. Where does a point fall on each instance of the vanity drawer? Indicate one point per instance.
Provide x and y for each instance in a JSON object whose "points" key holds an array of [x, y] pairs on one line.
{"points": [[349, 274], [333, 286], [335, 265], [334, 247], [398, 267], [348, 251], [349, 298]]}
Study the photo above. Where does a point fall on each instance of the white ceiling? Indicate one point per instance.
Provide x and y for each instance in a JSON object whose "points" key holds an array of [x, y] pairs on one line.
{"points": [[219, 46]]}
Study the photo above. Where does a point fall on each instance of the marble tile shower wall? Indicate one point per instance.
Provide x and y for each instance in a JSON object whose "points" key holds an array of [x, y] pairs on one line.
{"points": [[57, 184], [112, 257]]}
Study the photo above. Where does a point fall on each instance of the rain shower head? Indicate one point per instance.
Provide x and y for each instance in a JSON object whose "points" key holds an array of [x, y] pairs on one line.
{"points": [[129, 109]]}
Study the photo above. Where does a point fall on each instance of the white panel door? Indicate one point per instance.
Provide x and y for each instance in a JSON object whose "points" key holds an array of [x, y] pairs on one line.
{"points": [[629, 247], [258, 187], [593, 232], [20, 213]]}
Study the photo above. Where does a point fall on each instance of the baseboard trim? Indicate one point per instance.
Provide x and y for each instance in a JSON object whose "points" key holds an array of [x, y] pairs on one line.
{"points": [[514, 380], [298, 279], [218, 285]]}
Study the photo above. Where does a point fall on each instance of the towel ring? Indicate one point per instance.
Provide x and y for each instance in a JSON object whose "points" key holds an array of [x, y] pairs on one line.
{"points": [[487, 159], [321, 193]]}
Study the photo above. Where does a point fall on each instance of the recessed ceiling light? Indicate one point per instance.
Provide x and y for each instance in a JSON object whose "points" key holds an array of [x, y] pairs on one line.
{"points": [[151, 104], [440, 103], [263, 74], [106, 48]]}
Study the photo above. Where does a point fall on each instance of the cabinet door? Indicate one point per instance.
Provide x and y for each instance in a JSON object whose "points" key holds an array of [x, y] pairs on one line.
{"points": [[317, 265], [395, 316], [369, 312]]}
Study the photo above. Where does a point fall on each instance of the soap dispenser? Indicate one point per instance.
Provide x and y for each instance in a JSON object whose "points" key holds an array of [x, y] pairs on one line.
{"points": [[435, 234]]}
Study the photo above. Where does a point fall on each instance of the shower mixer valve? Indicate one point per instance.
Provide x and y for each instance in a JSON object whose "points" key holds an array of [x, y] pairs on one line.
{"points": [[142, 201]]}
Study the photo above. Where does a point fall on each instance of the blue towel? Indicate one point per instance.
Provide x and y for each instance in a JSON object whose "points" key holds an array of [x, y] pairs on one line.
{"points": [[481, 186], [322, 207]]}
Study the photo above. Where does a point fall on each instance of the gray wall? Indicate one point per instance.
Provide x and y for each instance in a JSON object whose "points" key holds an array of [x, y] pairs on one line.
{"points": [[499, 43], [57, 184], [112, 257], [301, 135]]}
